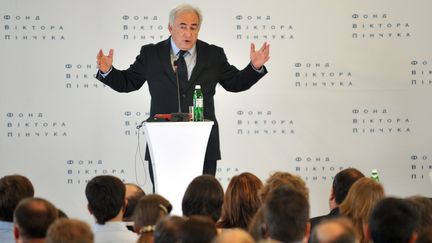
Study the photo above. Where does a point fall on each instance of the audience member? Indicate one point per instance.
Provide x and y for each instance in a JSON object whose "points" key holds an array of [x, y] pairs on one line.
{"points": [[133, 194], [61, 213], [234, 236], [149, 210], [342, 182], [203, 196], [392, 220], [66, 230], [360, 201], [241, 201], [198, 229], [283, 178], [32, 218], [276, 180], [107, 203], [168, 229], [286, 215], [423, 206], [13, 188], [256, 226], [335, 230]]}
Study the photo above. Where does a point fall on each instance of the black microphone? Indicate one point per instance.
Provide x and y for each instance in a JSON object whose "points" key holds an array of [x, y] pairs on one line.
{"points": [[178, 116]]}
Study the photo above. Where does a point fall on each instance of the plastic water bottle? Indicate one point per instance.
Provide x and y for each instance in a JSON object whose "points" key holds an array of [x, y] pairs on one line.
{"points": [[374, 175], [198, 102]]}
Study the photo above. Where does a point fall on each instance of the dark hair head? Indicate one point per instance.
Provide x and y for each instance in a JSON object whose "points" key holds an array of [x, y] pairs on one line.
{"points": [[255, 227], [241, 201], [198, 229], [168, 229], [133, 194], [393, 220], [148, 211], [423, 206], [343, 181], [13, 188], [69, 230], [106, 196], [203, 196], [33, 216], [286, 214]]}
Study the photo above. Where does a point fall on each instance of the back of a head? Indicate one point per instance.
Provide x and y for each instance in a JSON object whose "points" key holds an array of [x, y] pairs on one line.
{"points": [[168, 229], [204, 196], [13, 188], [33, 216], [393, 220], [149, 210], [343, 181], [69, 231], [339, 230], [198, 229], [241, 201], [234, 236], [423, 206], [286, 214], [255, 227], [133, 194], [283, 178], [106, 196]]}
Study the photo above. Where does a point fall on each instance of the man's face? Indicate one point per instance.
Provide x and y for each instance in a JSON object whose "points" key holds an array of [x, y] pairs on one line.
{"points": [[184, 31]]}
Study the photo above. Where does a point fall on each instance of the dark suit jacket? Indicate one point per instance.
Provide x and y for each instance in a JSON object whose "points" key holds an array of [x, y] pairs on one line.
{"points": [[153, 65], [317, 220]]}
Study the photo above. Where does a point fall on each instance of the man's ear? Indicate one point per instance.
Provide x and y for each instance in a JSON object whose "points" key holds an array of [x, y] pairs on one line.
{"points": [[264, 231], [16, 231], [332, 194], [307, 232], [125, 203], [89, 209], [414, 237]]}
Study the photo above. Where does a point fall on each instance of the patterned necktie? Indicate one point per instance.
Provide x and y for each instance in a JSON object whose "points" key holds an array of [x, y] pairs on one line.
{"points": [[182, 69]]}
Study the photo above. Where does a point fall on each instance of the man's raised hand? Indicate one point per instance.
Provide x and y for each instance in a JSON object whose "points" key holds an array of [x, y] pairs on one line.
{"points": [[104, 63]]}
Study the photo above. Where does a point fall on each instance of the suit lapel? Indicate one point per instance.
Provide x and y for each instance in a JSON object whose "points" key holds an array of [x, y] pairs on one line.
{"points": [[165, 57]]}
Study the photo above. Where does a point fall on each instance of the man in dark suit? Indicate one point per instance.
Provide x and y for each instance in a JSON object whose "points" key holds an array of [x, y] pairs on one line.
{"points": [[206, 65], [342, 182]]}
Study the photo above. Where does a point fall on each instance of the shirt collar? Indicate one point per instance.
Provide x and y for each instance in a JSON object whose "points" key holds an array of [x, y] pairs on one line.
{"points": [[175, 49], [110, 225], [6, 225]]}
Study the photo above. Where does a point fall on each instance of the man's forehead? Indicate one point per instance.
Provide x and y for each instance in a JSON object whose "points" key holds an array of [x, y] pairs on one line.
{"points": [[187, 16]]}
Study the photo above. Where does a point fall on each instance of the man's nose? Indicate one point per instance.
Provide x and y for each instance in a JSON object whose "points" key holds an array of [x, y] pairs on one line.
{"points": [[188, 32]]}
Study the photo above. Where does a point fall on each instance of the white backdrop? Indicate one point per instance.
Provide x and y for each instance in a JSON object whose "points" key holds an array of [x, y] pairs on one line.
{"points": [[349, 83]]}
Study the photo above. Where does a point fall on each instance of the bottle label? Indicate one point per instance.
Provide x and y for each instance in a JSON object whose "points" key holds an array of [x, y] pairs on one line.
{"points": [[199, 102]]}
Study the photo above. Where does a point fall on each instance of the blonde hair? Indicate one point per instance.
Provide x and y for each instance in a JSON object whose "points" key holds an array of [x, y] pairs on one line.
{"points": [[359, 202], [69, 230], [283, 178]]}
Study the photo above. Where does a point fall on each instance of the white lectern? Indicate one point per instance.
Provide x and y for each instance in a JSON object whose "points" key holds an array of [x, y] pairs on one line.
{"points": [[177, 151]]}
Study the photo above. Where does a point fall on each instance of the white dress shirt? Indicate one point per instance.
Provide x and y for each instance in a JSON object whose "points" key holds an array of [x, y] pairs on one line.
{"points": [[113, 232]]}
